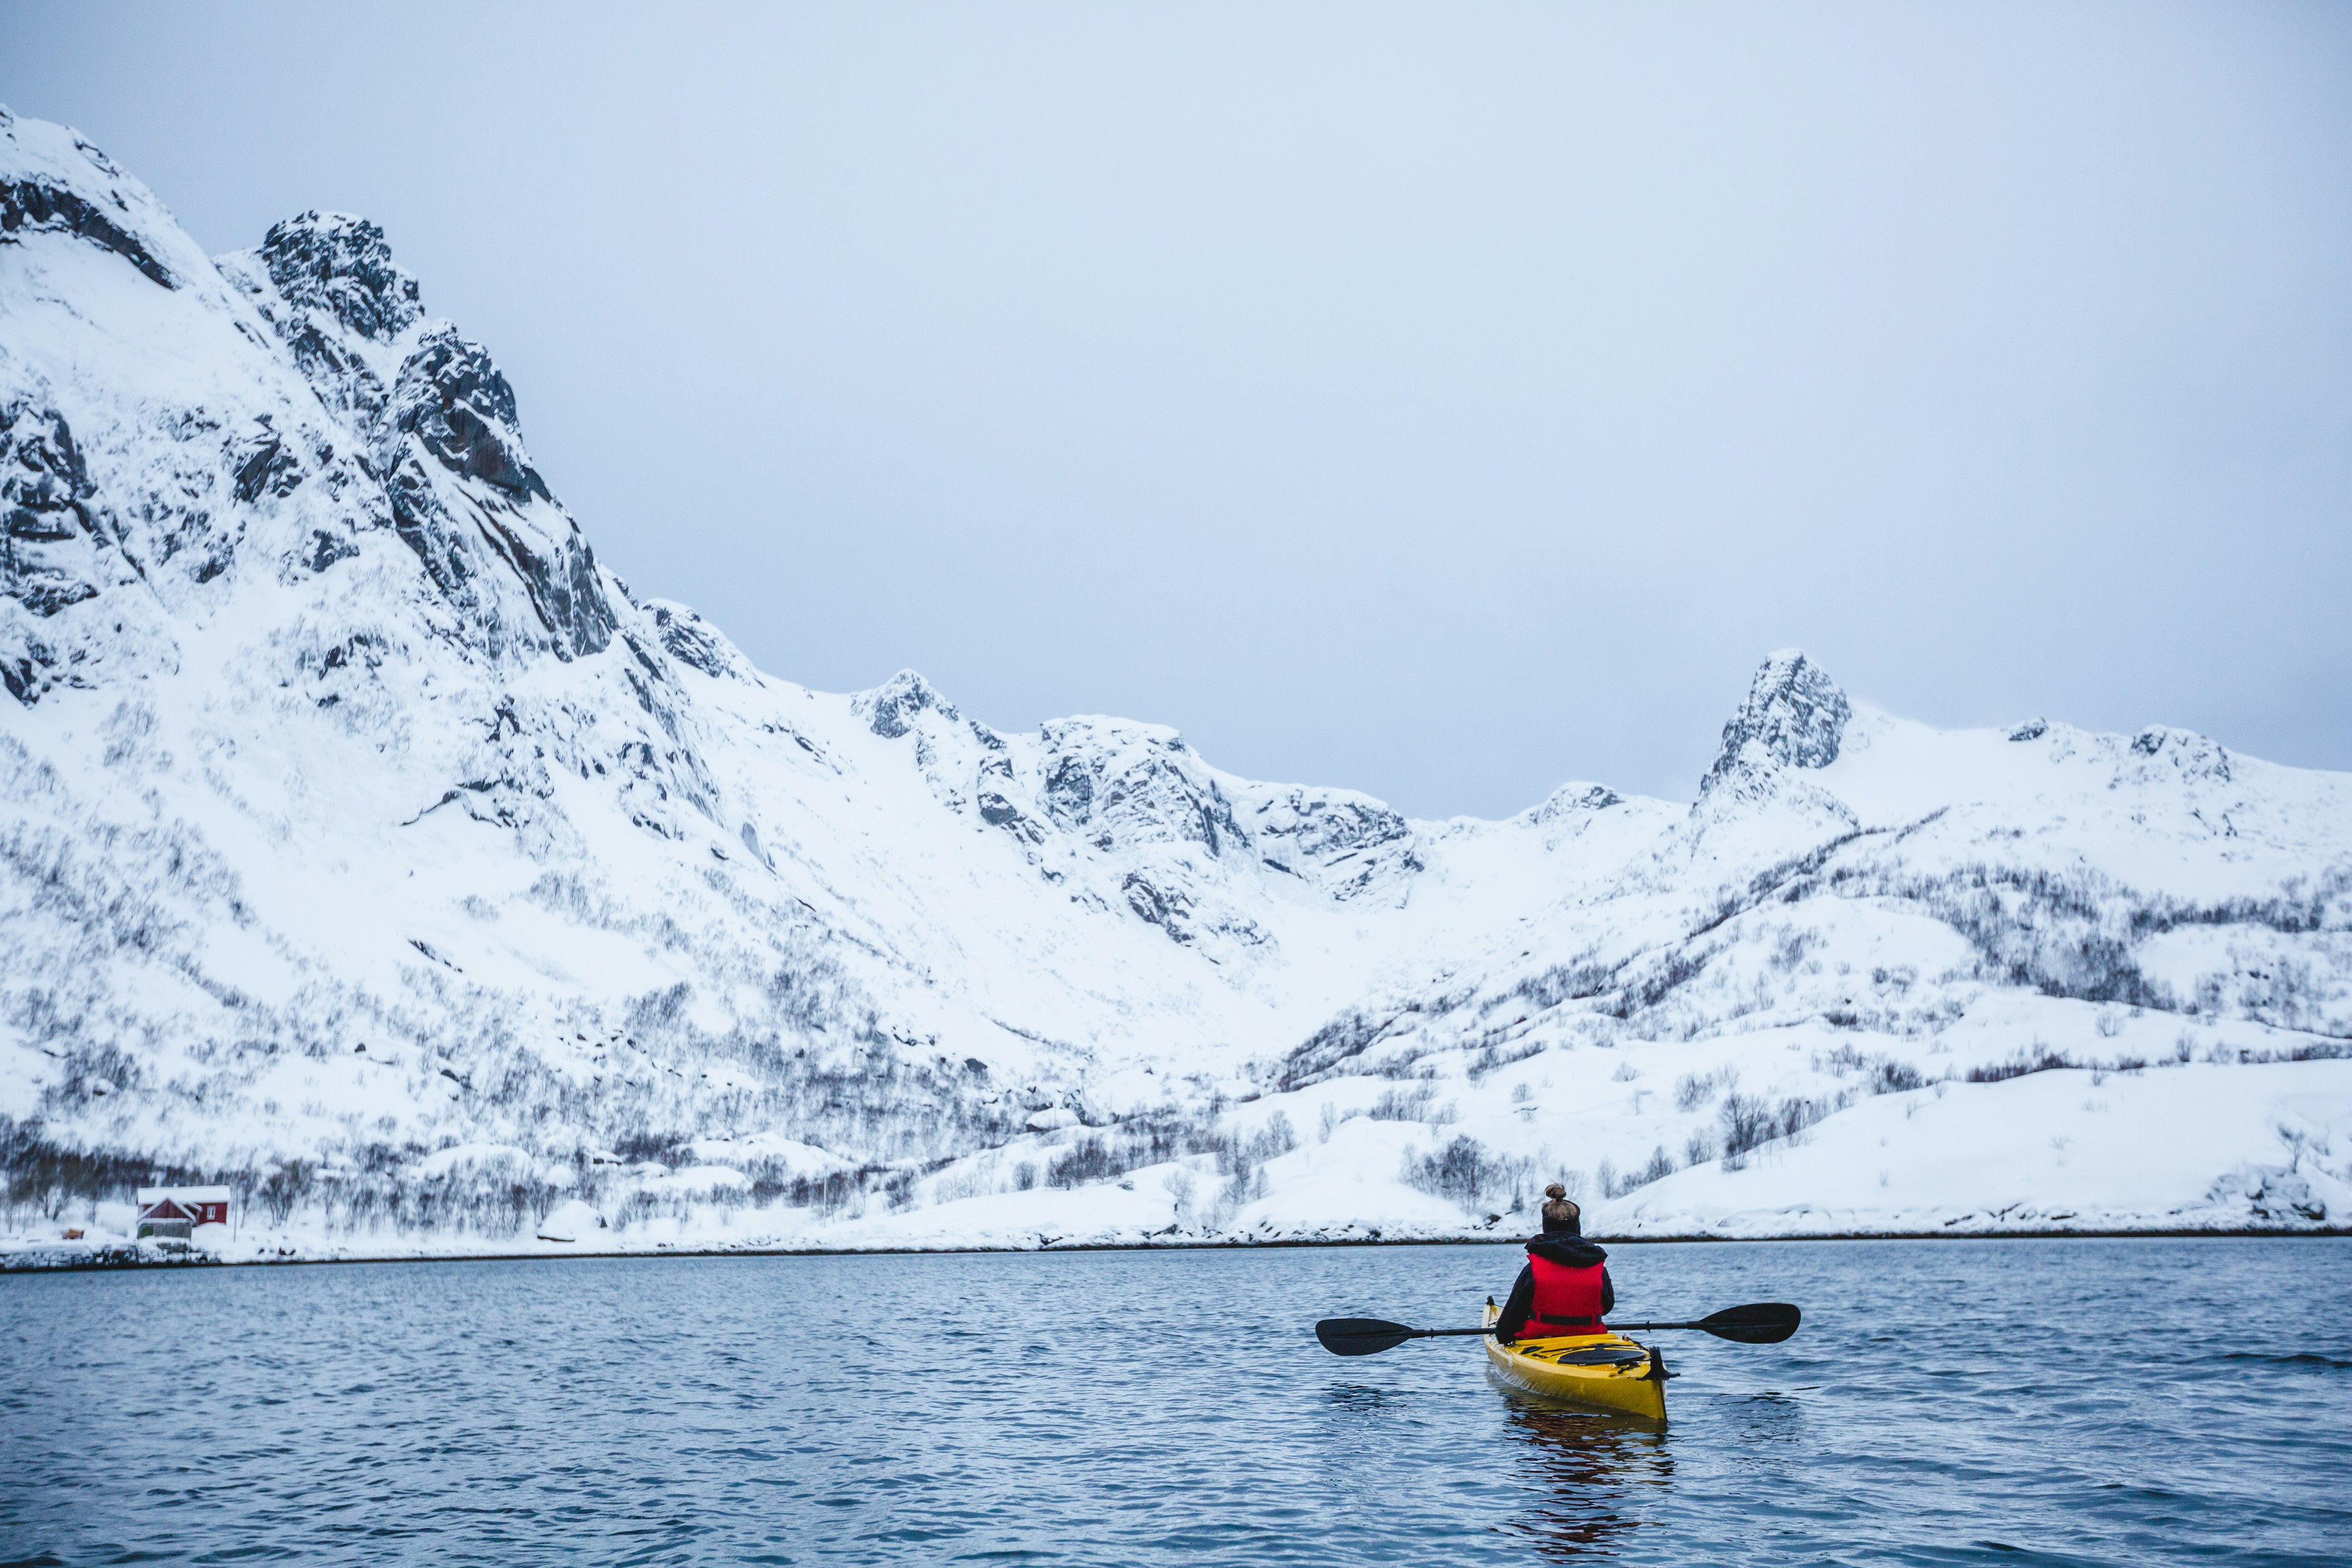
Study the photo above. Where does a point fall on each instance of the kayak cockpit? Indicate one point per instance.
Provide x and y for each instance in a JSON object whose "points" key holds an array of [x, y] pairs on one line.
{"points": [[1605, 1370]]}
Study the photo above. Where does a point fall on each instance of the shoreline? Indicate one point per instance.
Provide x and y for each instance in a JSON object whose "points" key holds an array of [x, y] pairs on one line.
{"points": [[20, 1263]]}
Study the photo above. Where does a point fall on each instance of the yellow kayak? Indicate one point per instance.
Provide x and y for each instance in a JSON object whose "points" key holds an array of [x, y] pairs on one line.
{"points": [[1606, 1370]]}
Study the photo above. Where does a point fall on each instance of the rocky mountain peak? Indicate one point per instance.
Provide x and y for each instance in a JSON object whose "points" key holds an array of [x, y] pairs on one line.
{"points": [[889, 709], [2161, 751], [1795, 715], [694, 642], [340, 264], [1121, 783], [1572, 799]]}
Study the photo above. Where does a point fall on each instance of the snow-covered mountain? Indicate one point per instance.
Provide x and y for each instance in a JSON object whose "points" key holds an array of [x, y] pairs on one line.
{"points": [[367, 846]]}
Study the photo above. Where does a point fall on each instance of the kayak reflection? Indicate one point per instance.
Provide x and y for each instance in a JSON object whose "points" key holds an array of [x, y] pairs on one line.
{"points": [[1592, 1476]]}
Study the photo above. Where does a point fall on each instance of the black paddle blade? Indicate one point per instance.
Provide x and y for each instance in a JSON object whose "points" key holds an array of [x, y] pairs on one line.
{"points": [[1759, 1323], [1360, 1336]]}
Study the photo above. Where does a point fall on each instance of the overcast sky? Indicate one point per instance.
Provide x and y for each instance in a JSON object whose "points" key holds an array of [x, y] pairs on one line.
{"points": [[1445, 402]]}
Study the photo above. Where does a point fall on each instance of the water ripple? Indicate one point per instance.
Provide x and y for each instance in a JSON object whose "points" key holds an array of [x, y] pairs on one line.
{"points": [[2091, 1402]]}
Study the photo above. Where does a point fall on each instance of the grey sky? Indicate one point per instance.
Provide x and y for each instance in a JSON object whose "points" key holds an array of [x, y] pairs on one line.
{"points": [[1444, 402]]}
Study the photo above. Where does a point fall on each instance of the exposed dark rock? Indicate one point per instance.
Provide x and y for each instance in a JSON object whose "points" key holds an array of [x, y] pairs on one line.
{"points": [[997, 811], [1320, 826], [690, 641], [1164, 908], [259, 462], [1345, 843], [561, 585], [44, 488], [359, 650], [994, 784], [1794, 713], [2032, 730], [453, 404], [418, 517], [890, 708], [32, 666], [326, 549], [1069, 792], [566, 592], [1177, 910], [343, 382], [1130, 784], [20, 671], [2186, 754], [458, 406], [46, 594], [32, 206], [1570, 800], [340, 264], [45, 519]]}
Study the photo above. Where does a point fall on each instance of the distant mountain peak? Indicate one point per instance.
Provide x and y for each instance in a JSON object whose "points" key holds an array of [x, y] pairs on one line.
{"points": [[2160, 749], [889, 708], [694, 642], [1571, 799], [1795, 715]]}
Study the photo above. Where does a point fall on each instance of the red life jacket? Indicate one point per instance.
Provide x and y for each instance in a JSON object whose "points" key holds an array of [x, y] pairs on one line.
{"points": [[1567, 1301]]}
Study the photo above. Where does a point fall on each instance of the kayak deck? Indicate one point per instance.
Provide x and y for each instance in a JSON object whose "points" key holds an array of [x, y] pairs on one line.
{"points": [[1606, 1370]]}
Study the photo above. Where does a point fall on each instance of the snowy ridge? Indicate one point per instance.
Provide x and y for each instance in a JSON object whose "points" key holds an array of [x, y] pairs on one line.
{"points": [[369, 847]]}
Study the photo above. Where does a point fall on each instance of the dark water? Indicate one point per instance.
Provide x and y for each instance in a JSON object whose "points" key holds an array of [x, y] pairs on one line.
{"points": [[2057, 1401]]}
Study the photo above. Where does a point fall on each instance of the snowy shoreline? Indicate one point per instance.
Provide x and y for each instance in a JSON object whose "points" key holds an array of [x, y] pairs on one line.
{"points": [[27, 1261]]}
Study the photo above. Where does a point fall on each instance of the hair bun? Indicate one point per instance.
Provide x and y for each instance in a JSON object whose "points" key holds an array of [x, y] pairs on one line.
{"points": [[1555, 1191]]}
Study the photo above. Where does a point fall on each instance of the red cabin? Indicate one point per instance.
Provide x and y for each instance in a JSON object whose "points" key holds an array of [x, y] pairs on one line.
{"points": [[172, 1214]]}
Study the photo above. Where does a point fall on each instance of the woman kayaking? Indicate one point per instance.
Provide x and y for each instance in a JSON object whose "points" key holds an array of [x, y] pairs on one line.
{"points": [[1565, 1286], [1550, 1342]]}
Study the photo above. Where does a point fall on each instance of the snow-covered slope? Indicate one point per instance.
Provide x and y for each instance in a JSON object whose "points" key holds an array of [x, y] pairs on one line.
{"points": [[368, 845]]}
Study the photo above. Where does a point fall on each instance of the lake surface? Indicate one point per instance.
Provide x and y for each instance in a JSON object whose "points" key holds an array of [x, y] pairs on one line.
{"points": [[2125, 1402]]}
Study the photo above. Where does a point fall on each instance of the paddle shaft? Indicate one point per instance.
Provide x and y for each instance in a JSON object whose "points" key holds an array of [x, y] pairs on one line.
{"points": [[1646, 1328], [1606, 1328]]}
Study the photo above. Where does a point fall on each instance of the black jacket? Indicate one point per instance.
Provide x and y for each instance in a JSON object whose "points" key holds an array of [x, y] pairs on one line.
{"points": [[1571, 1251]]}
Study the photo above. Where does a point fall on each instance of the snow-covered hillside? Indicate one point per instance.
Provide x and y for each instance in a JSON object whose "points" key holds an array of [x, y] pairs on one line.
{"points": [[369, 846]]}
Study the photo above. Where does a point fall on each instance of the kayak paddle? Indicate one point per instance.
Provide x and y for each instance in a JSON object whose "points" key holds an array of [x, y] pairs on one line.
{"points": [[1758, 1324], [1369, 1336]]}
